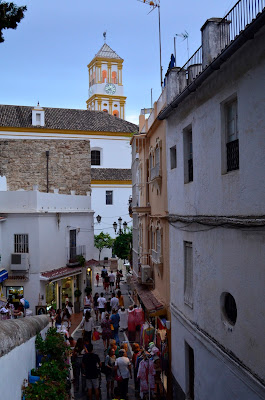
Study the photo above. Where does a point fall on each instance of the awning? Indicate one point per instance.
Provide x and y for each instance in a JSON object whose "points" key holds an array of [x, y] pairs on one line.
{"points": [[3, 275], [153, 306], [59, 273]]}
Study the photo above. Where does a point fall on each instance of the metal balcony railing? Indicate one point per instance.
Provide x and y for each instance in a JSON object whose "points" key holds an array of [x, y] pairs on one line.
{"points": [[241, 15], [194, 65], [74, 252], [232, 155], [155, 172]]}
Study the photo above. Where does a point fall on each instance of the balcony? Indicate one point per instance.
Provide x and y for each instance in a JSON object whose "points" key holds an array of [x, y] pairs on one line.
{"points": [[74, 253], [232, 149], [157, 258], [155, 172]]}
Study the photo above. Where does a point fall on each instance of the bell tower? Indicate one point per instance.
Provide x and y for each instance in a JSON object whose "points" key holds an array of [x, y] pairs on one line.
{"points": [[105, 83]]}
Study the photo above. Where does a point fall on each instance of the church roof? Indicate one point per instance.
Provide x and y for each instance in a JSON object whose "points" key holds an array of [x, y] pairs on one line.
{"points": [[110, 174], [65, 119], [107, 52]]}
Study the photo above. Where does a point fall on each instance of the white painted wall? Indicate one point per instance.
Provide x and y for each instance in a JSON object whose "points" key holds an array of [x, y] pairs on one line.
{"points": [[20, 361], [224, 259], [110, 213], [48, 233], [116, 153]]}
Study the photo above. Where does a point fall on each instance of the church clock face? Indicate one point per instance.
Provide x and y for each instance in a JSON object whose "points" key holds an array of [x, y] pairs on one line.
{"points": [[110, 88]]}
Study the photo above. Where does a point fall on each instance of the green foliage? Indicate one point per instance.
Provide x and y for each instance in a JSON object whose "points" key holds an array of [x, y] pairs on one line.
{"points": [[77, 292], [53, 347], [10, 16], [53, 372], [81, 260], [103, 240], [123, 245]]}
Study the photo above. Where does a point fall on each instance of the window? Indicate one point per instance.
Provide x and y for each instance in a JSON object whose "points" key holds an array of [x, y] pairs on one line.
{"points": [[95, 157], [72, 243], [21, 243], [116, 113], [232, 144], [38, 116], [109, 197], [114, 77], [173, 157], [229, 308], [188, 274], [188, 155], [104, 76], [189, 357]]}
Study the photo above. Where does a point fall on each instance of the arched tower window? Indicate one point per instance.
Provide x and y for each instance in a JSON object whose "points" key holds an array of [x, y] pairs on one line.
{"points": [[114, 77], [105, 110], [116, 113], [95, 157], [104, 76]]}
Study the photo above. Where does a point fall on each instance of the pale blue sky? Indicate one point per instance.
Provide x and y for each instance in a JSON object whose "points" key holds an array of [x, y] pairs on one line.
{"points": [[46, 58]]}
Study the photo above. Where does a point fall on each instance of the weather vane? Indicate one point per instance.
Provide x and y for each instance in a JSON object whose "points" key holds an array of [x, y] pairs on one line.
{"points": [[105, 35]]}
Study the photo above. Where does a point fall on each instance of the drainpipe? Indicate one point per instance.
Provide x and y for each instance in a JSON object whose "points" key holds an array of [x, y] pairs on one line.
{"points": [[47, 178]]}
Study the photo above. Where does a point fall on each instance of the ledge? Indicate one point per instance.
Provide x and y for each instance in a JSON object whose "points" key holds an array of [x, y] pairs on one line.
{"points": [[15, 332]]}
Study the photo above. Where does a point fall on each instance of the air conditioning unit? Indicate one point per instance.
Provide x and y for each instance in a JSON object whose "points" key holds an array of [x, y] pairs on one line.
{"points": [[19, 262], [146, 272]]}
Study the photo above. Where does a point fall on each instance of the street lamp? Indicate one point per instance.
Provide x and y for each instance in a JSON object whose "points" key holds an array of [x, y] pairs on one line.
{"points": [[156, 4], [115, 226]]}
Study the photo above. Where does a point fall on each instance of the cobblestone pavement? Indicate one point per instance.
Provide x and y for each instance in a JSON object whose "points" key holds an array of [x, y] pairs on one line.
{"points": [[99, 349]]}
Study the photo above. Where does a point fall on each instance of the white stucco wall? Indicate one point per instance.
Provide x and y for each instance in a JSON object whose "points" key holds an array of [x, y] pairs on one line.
{"points": [[19, 363], [110, 213], [49, 235], [225, 259], [116, 152]]}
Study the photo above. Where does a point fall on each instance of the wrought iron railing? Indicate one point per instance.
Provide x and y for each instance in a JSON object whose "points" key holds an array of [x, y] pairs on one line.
{"points": [[195, 62], [232, 155], [156, 257], [190, 169], [74, 252], [241, 15]]}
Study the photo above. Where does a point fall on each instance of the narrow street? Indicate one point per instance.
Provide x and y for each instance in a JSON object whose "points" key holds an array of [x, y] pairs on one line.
{"points": [[98, 345]]}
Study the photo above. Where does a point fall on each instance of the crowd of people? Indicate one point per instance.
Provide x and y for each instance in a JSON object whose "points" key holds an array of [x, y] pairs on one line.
{"points": [[107, 316]]}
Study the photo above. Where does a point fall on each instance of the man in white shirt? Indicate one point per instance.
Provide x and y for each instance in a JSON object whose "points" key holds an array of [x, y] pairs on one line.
{"points": [[112, 280], [114, 302], [123, 368], [101, 305]]}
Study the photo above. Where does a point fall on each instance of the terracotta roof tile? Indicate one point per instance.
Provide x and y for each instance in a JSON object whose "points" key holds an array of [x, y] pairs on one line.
{"points": [[61, 272], [111, 174], [65, 119]]}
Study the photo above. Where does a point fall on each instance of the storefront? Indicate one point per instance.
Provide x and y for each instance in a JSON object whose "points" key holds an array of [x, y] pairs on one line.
{"points": [[14, 293], [3, 277], [61, 284]]}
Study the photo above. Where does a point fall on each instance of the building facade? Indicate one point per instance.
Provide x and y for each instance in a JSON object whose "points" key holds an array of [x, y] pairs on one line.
{"points": [[42, 236], [215, 168], [151, 279]]}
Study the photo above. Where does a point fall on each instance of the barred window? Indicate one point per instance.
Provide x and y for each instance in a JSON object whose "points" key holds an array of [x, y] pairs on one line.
{"points": [[188, 274], [95, 157], [21, 243], [109, 197]]}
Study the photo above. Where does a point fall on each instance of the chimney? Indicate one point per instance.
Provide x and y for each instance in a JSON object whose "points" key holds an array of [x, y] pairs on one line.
{"points": [[215, 35]]}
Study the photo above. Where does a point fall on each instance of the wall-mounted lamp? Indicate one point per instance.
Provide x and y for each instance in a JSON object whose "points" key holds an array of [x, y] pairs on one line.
{"points": [[88, 270], [98, 218]]}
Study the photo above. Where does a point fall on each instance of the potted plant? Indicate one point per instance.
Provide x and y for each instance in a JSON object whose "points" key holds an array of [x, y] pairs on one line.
{"points": [[77, 294]]}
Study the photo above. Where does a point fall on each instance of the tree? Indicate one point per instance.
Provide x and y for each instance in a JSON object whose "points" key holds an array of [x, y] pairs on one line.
{"points": [[101, 241], [10, 16], [123, 246]]}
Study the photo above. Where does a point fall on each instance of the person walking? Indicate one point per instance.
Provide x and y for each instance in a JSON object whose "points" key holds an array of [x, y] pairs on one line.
{"points": [[106, 331], [95, 303], [115, 320], [88, 302], [87, 324], [101, 305], [110, 371], [123, 369], [97, 278], [123, 319], [120, 298], [91, 364], [77, 358], [118, 278], [114, 302], [111, 281]]}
